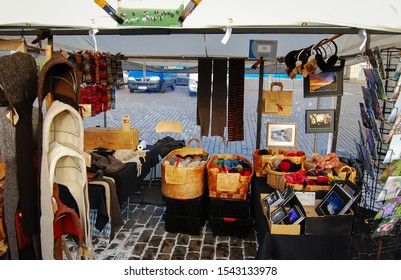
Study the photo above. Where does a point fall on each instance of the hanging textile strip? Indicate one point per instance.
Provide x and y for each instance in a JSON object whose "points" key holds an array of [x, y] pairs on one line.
{"points": [[219, 97], [235, 121], [204, 95]]}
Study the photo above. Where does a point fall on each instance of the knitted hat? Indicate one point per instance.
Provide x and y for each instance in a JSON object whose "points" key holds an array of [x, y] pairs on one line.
{"points": [[15, 70], [59, 76]]}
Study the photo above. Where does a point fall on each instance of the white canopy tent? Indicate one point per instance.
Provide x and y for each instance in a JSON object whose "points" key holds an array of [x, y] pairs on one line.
{"points": [[294, 24]]}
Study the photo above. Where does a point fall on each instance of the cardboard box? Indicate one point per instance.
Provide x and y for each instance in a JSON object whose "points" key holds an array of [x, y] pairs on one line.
{"points": [[278, 228], [110, 138]]}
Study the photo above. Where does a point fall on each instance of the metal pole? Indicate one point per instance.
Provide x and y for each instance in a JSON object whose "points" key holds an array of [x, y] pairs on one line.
{"points": [[316, 135], [337, 123], [259, 107]]}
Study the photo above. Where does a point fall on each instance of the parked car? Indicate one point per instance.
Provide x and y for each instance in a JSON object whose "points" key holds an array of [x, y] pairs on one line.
{"points": [[150, 81], [182, 79], [193, 85]]}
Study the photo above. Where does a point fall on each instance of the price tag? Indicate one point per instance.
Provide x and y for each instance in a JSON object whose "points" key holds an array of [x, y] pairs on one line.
{"points": [[175, 175], [306, 198], [227, 182]]}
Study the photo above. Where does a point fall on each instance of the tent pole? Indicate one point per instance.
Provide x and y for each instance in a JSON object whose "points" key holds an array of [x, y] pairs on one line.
{"points": [[259, 106]]}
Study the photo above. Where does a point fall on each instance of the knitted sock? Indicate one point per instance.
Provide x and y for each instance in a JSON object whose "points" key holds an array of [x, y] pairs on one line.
{"points": [[219, 97], [204, 95], [235, 121]]}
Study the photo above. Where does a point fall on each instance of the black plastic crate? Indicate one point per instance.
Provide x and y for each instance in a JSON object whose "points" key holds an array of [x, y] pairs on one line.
{"points": [[182, 224], [230, 226], [229, 208], [196, 208]]}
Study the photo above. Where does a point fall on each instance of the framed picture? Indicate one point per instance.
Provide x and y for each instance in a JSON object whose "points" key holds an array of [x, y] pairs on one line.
{"points": [[319, 121], [324, 84], [281, 134]]}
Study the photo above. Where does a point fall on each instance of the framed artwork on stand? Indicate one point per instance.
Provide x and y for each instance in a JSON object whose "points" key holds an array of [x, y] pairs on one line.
{"points": [[324, 84], [281, 134], [320, 121]]}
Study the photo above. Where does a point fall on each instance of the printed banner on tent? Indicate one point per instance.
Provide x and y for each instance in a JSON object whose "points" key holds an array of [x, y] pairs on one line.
{"points": [[151, 12]]}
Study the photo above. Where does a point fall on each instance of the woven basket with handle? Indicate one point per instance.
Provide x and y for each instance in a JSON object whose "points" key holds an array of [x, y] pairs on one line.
{"points": [[184, 182], [231, 185]]}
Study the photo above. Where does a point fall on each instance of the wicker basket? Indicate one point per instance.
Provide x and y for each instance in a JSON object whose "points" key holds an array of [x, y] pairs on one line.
{"points": [[275, 179], [342, 170], [184, 182], [294, 159], [260, 162], [231, 185], [308, 165], [308, 188]]}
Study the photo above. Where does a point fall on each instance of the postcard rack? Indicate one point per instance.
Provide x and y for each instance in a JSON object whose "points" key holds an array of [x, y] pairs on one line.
{"points": [[363, 245]]}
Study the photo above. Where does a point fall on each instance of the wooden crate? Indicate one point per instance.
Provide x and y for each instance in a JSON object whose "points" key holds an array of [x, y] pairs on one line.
{"points": [[110, 138]]}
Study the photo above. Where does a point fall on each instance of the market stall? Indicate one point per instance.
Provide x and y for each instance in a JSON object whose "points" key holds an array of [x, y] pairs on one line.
{"points": [[214, 31]]}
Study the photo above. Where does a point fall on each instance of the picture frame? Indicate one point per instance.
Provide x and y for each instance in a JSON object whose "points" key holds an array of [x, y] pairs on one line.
{"points": [[281, 134], [273, 199], [278, 215], [294, 216], [324, 84], [336, 202], [320, 121]]}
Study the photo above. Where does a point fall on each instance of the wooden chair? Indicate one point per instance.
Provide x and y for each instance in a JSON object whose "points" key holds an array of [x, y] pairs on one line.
{"points": [[169, 127]]}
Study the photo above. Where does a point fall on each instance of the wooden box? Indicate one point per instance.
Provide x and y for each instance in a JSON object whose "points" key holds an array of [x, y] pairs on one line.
{"points": [[110, 138], [327, 225], [278, 228]]}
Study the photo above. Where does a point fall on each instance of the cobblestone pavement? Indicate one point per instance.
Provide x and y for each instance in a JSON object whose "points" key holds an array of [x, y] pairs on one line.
{"points": [[143, 236]]}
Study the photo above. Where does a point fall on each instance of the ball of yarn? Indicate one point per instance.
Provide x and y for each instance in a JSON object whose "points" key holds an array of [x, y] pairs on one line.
{"points": [[276, 163], [228, 163], [193, 164], [263, 152], [284, 166]]}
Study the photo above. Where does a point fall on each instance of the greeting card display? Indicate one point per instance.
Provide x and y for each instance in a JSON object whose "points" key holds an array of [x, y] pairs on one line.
{"points": [[391, 189], [394, 150], [389, 226], [294, 216], [390, 207], [278, 215], [273, 199]]}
